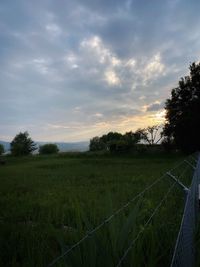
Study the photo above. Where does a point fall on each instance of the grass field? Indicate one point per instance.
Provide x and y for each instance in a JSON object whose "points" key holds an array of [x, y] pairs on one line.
{"points": [[48, 203]]}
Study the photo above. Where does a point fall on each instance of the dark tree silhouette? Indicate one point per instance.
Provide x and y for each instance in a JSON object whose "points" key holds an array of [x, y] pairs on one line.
{"points": [[151, 135], [111, 136], [48, 149], [22, 145], [183, 112], [115, 142], [96, 144]]}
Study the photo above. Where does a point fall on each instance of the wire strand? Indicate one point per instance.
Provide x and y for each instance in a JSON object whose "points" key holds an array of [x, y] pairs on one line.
{"points": [[108, 219], [145, 225]]}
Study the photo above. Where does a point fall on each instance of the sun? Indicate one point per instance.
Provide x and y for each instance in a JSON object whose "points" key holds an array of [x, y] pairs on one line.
{"points": [[160, 116]]}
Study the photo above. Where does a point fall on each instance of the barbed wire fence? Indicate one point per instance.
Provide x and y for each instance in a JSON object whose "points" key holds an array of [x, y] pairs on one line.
{"points": [[185, 236], [184, 253], [145, 225]]}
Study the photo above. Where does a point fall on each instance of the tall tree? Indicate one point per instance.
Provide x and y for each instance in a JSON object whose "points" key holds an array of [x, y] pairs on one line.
{"points": [[183, 112], [22, 145]]}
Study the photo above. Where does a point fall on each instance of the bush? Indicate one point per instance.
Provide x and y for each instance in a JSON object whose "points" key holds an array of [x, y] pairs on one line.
{"points": [[119, 146], [48, 149]]}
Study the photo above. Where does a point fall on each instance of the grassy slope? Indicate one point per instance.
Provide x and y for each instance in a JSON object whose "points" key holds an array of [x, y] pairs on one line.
{"points": [[48, 202]]}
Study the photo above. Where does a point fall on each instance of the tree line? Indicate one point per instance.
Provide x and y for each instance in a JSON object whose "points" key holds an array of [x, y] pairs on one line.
{"points": [[23, 145], [181, 129], [117, 142]]}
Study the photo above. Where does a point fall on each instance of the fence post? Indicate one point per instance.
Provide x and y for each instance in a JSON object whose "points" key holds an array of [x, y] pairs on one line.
{"points": [[199, 197]]}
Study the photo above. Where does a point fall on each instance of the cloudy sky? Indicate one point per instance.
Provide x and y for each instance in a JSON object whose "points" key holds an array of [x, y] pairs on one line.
{"points": [[71, 70]]}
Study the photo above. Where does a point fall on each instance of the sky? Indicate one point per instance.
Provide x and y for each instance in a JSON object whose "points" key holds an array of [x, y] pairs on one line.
{"points": [[72, 70]]}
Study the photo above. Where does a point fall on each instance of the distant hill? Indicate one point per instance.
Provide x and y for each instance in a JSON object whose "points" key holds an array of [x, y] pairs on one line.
{"points": [[6, 145], [66, 147], [63, 147]]}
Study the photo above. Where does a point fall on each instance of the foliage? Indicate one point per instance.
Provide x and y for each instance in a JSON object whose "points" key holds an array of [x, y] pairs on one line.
{"points": [[115, 142], [168, 144], [111, 136], [1, 149], [118, 143], [132, 138], [118, 146], [48, 149], [183, 112], [96, 144], [22, 145]]}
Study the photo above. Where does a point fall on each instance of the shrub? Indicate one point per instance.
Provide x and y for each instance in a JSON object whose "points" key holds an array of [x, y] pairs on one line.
{"points": [[48, 149]]}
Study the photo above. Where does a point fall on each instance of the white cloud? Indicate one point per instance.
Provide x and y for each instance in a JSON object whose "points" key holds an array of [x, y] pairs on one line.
{"points": [[98, 115], [71, 57], [53, 29], [101, 53], [71, 60], [129, 73], [131, 62], [115, 61], [153, 69], [112, 78], [41, 65]]}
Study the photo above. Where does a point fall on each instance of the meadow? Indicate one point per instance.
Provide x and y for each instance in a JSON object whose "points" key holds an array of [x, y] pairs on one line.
{"points": [[47, 203]]}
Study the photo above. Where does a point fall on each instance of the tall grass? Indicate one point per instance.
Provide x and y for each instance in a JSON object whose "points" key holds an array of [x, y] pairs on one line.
{"points": [[49, 203], [153, 248]]}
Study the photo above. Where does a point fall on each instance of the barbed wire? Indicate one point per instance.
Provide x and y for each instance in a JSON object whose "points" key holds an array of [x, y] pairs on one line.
{"points": [[145, 225], [108, 219], [184, 251], [184, 171], [150, 218]]}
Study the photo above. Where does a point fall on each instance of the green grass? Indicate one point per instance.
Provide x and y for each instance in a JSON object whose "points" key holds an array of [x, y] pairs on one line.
{"points": [[48, 203]]}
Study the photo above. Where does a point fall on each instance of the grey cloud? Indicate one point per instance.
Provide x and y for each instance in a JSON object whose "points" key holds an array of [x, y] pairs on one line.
{"points": [[155, 107], [46, 71]]}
